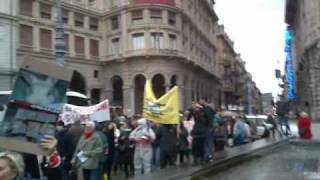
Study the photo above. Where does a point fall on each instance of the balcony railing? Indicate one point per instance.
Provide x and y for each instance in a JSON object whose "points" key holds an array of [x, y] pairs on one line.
{"points": [[165, 2]]}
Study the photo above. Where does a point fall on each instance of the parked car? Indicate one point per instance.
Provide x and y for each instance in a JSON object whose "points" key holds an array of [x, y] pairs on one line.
{"points": [[260, 127]]}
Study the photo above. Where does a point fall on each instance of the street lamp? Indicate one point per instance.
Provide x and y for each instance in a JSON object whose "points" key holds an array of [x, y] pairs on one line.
{"points": [[60, 43]]}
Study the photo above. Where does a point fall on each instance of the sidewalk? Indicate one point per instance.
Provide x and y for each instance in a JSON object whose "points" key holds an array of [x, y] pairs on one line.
{"points": [[228, 156]]}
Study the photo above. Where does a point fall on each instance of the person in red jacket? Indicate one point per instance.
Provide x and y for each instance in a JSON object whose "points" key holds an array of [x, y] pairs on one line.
{"points": [[304, 126]]}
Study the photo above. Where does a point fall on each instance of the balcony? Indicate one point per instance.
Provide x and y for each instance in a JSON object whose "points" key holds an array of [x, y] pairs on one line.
{"points": [[153, 52], [228, 85], [164, 2]]}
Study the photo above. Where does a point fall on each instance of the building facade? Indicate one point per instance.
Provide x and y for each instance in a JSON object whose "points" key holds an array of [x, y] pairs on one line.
{"points": [[116, 45], [302, 17], [8, 25]]}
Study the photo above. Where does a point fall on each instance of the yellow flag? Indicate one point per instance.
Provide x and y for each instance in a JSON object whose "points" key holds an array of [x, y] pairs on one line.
{"points": [[164, 110]]}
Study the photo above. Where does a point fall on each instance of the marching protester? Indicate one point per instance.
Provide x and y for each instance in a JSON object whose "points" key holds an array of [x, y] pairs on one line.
{"points": [[304, 126], [143, 136], [183, 135], [126, 150], [167, 139], [209, 114], [198, 134], [109, 131], [87, 152]]}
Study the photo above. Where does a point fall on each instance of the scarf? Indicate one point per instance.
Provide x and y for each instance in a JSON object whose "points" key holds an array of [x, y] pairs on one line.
{"points": [[88, 134]]}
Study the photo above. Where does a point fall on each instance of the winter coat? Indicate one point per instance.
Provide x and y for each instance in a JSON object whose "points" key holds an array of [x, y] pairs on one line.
{"points": [[200, 124], [92, 148], [183, 140], [304, 126], [167, 138]]}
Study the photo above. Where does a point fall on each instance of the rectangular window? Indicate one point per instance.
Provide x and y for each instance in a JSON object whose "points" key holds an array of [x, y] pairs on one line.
{"points": [[78, 19], [66, 41], [115, 46], [65, 16], [45, 11], [45, 38], [26, 35], [138, 41], [137, 17], [172, 19], [94, 24], [157, 40], [94, 47], [172, 42], [79, 45], [115, 23], [156, 16], [26, 7]]}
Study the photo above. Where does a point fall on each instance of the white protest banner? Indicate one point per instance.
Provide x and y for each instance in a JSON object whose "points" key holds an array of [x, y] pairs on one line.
{"points": [[98, 113]]}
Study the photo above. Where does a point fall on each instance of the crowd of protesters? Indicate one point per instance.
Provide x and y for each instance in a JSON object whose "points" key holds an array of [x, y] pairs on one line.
{"points": [[132, 146]]}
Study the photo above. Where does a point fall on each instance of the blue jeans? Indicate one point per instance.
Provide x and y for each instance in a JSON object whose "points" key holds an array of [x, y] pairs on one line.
{"points": [[90, 174], [208, 145], [156, 158]]}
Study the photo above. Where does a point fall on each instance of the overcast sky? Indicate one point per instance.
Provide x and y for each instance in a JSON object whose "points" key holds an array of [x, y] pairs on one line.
{"points": [[257, 28]]}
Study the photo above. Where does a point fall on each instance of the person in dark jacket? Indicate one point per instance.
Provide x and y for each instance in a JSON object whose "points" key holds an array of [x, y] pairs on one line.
{"points": [[167, 141], [209, 114], [198, 134], [109, 130], [183, 142], [126, 150]]}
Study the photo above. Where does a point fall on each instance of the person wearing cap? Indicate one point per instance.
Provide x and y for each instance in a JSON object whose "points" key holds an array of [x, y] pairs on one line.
{"points": [[11, 166], [87, 152], [143, 136]]}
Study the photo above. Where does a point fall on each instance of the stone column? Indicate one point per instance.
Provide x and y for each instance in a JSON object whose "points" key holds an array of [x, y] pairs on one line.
{"points": [[87, 48], [36, 39], [71, 45], [36, 9], [124, 35], [128, 99], [86, 22], [165, 16], [146, 15], [71, 18]]}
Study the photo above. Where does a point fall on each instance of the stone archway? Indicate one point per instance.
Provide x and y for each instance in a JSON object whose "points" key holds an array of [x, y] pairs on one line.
{"points": [[78, 83], [139, 82], [158, 85], [117, 91]]}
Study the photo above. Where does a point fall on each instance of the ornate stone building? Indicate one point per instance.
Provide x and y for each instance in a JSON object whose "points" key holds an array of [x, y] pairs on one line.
{"points": [[234, 76], [115, 45], [7, 44], [303, 16]]}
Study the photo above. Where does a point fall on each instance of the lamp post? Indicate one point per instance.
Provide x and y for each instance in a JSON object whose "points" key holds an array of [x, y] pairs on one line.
{"points": [[60, 43]]}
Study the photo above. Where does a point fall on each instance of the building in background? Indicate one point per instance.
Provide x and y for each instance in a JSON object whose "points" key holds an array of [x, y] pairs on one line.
{"points": [[302, 17], [114, 46], [8, 24]]}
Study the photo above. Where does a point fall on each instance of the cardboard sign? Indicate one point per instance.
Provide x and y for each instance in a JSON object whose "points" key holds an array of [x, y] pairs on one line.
{"points": [[35, 103], [98, 113]]}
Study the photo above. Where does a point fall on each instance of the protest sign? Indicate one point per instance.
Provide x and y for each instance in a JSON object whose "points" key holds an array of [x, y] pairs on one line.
{"points": [[98, 113], [37, 99]]}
